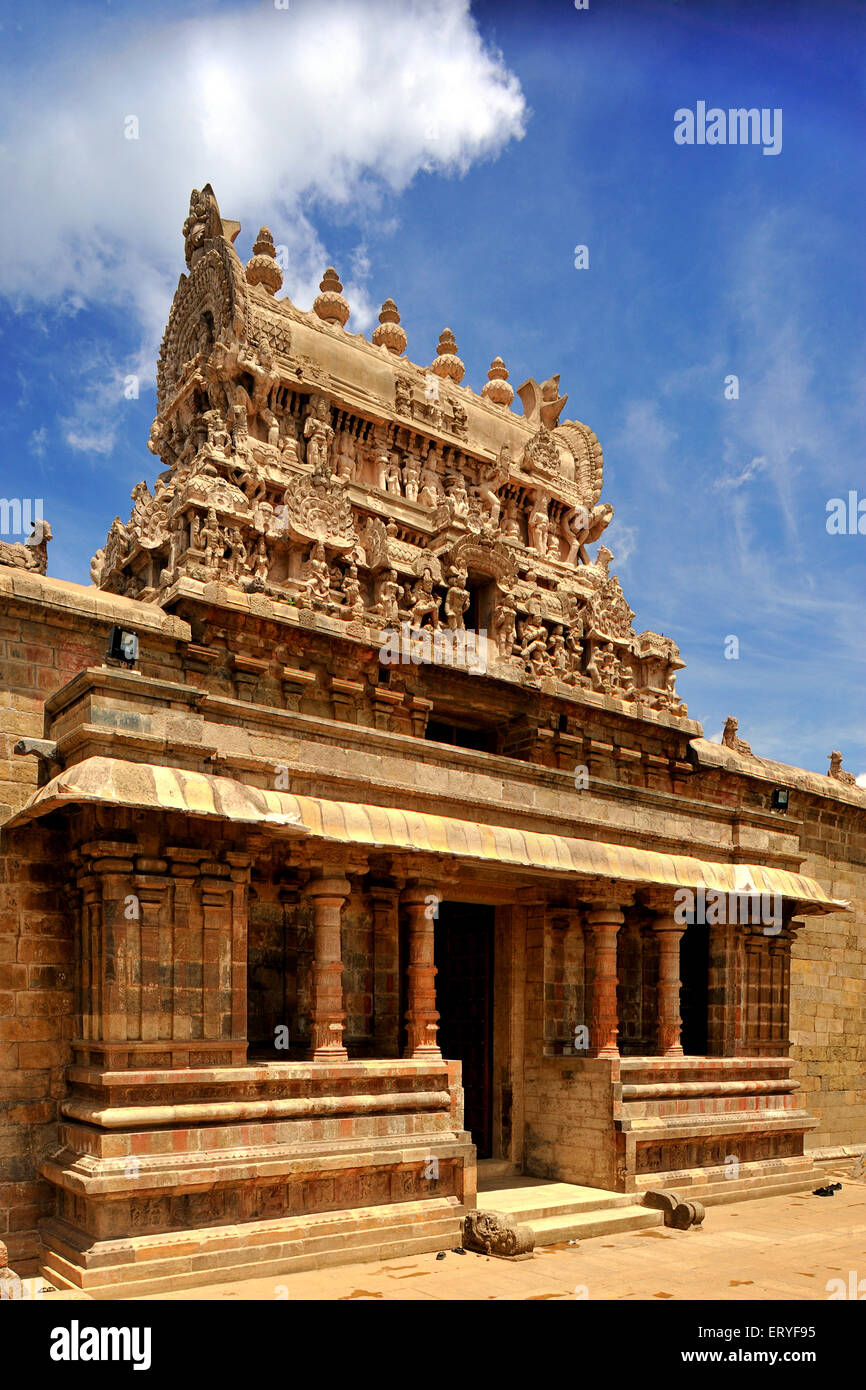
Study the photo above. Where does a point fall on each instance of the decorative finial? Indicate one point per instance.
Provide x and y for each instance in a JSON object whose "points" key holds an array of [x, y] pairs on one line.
{"points": [[389, 334], [496, 388], [262, 268], [447, 362], [330, 304]]}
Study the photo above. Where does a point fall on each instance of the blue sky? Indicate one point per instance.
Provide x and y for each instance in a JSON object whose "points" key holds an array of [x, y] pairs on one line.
{"points": [[453, 157]]}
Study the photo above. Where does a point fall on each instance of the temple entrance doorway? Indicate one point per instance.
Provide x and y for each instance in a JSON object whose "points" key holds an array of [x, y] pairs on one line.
{"points": [[694, 988], [464, 998]]}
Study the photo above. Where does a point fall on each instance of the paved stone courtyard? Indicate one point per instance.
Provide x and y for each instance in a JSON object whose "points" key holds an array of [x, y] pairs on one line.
{"points": [[785, 1248]]}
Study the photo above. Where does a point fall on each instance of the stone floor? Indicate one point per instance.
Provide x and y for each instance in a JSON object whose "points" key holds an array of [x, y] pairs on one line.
{"points": [[779, 1248]]}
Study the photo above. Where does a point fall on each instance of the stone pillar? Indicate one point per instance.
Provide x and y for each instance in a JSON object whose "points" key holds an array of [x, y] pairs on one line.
{"points": [[327, 895], [669, 933], [604, 920], [422, 1020], [386, 971]]}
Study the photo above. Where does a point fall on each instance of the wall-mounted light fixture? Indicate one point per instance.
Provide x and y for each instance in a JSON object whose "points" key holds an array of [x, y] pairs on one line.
{"points": [[122, 646], [779, 799]]}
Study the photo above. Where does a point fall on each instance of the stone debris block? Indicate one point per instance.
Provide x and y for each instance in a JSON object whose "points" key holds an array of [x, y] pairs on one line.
{"points": [[490, 1233]]}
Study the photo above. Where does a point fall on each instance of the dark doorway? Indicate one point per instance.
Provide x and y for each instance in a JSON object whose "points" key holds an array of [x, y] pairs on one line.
{"points": [[694, 992], [464, 998]]}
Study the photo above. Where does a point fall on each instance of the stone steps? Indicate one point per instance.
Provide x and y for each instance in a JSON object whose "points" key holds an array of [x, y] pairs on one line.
{"points": [[558, 1211], [742, 1189], [159, 1264], [584, 1225]]}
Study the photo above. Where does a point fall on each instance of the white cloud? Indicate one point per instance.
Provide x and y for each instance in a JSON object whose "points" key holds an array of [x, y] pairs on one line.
{"points": [[644, 441], [283, 111], [37, 443], [280, 110]]}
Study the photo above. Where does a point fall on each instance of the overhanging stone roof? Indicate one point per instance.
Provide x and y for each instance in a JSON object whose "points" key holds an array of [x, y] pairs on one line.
{"points": [[115, 782]]}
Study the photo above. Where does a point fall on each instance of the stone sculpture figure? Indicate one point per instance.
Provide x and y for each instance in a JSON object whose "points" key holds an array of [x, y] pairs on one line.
{"points": [[491, 478], [261, 564], [319, 435], [539, 524], [581, 527], [392, 476], [558, 651], [237, 552], [730, 738], [425, 602], [390, 593], [459, 498], [352, 596], [429, 494], [456, 597], [533, 647], [490, 1233], [511, 521], [316, 575], [505, 627], [838, 773], [31, 554], [411, 477], [403, 396], [210, 541]]}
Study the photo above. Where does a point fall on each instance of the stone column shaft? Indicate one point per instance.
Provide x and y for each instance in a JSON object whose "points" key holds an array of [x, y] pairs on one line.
{"points": [[669, 934], [327, 1014], [604, 922], [422, 1020]]}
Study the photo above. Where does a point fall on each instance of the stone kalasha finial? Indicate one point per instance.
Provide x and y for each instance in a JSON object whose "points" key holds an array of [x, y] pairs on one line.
{"points": [[262, 268], [389, 334], [330, 304], [838, 773], [496, 388], [447, 362]]}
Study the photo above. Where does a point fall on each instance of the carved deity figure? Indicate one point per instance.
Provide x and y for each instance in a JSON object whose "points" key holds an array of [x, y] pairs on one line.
{"points": [[539, 524], [390, 593], [392, 476], [558, 651], [459, 498], [425, 603], [456, 597], [505, 627], [316, 575], [261, 563], [511, 521], [210, 541], [533, 646], [352, 592], [429, 494], [345, 456], [319, 435], [411, 477], [237, 552], [491, 478]]}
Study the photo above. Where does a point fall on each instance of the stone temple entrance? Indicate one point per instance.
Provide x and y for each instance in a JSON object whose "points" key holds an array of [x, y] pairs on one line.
{"points": [[464, 992]]}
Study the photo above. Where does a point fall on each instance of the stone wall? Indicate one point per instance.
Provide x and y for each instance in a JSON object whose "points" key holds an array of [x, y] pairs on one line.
{"points": [[36, 1021], [49, 631], [828, 985]]}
